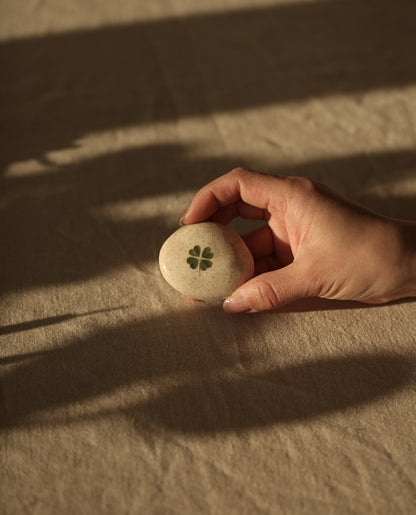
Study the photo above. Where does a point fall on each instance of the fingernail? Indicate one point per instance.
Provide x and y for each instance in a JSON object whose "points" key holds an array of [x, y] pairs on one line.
{"points": [[236, 304], [182, 219]]}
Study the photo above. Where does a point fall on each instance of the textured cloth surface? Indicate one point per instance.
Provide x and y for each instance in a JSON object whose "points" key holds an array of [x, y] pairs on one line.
{"points": [[117, 394]]}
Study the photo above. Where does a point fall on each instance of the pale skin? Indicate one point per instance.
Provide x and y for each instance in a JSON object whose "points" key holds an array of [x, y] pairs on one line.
{"points": [[314, 243]]}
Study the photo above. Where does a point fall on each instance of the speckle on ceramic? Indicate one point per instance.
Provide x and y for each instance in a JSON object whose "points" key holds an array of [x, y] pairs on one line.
{"points": [[206, 261]]}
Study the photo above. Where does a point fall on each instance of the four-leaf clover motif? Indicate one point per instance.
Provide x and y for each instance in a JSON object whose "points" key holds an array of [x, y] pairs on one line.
{"points": [[204, 260]]}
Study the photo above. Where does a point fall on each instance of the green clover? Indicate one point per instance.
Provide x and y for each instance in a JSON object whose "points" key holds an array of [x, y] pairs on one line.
{"points": [[203, 261]]}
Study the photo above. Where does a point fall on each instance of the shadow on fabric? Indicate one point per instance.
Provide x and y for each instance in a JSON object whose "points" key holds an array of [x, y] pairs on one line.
{"points": [[286, 395], [204, 379], [58, 88], [51, 236]]}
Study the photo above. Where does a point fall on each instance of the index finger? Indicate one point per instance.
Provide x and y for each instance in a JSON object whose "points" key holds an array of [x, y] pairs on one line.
{"points": [[253, 188]]}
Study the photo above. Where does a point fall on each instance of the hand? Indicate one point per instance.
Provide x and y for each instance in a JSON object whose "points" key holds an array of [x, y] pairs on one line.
{"points": [[314, 243]]}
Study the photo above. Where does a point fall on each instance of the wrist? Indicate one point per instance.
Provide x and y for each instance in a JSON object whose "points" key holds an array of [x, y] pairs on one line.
{"points": [[392, 256]]}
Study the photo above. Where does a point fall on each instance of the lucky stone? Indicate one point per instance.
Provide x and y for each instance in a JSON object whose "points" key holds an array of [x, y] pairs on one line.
{"points": [[205, 261]]}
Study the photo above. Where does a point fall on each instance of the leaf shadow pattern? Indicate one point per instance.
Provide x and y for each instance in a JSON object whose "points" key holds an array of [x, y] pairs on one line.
{"points": [[286, 395], [106, 360], [51, 236], [59, 87], [199, 378], [48, 321], [48, 224]]}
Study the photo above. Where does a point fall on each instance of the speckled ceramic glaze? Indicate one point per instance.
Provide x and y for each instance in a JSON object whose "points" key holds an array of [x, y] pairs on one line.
{"points": [[206, 261]]}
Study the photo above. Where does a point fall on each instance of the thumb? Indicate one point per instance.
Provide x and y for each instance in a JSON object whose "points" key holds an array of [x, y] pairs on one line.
{"points": [[269, 290]]}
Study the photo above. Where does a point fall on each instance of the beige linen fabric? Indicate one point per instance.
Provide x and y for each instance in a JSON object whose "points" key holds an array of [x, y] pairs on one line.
{"points": [[117, 394]]}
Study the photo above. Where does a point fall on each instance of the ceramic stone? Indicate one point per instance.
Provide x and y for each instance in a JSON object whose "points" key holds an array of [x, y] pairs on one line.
{"points": [[206, 261]]}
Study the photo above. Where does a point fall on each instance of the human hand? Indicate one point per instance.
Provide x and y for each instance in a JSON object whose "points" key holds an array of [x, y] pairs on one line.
{"points": [[314, 244]]}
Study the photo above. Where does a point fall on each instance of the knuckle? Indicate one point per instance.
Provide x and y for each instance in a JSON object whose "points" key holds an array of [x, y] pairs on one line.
{"points": [[303, 184], [240, 171], [267, 295], [307, 184]]}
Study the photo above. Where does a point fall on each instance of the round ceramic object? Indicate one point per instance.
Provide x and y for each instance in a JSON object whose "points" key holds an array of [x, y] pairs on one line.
{"points": [[206, 261]]}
